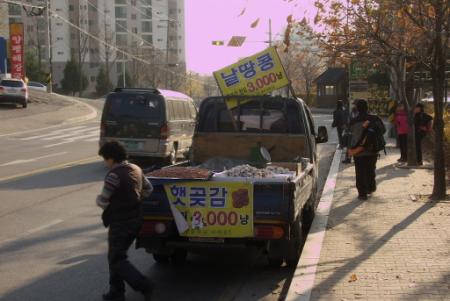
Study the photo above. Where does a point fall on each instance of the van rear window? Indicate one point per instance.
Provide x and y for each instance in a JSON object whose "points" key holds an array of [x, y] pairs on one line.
{"points": [[133, 106]]}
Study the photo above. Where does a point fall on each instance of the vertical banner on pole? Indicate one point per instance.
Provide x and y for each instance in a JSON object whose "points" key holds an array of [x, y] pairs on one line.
{"points": [[17, 52]]}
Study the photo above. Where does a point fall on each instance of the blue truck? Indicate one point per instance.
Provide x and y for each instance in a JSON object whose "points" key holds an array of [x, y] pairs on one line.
{"points": [[230, 129]]}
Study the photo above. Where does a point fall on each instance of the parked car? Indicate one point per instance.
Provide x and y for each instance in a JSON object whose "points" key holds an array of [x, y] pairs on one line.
{"points": [[37, 86], [14, 91], [281, 210], [150, 123]]}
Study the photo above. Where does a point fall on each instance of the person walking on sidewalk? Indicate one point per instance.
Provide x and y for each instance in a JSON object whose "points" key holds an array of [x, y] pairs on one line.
{"points": [[348, 133], [124, 188], [423, 123], [367, 141], [339, 120], [402, 127]]}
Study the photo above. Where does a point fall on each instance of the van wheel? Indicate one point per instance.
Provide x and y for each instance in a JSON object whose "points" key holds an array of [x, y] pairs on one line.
{"points": [[172, 159], [295, 243]]}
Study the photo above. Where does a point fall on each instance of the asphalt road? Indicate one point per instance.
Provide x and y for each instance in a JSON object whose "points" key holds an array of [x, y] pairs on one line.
{"points": [[53, 246]]}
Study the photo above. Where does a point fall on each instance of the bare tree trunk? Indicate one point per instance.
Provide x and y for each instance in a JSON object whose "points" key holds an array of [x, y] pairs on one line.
{"points": [[438, 78]]}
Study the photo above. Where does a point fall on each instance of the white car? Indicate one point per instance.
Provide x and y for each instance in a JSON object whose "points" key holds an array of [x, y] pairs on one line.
{"points": [[14, 91], [37, 86]]}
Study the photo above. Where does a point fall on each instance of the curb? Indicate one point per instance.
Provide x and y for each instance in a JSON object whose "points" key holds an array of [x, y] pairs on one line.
{"points": [[91, 115], [305, 273], [93, 112]]}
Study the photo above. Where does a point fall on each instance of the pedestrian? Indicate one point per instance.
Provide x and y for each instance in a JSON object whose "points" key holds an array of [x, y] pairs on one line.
{"points": [[347, 137], [339, 120], [423, 123], [367, 130], [402, 128], [124, 188]]}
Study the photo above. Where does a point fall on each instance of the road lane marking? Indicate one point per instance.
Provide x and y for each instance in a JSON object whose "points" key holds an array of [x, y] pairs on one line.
{"points": [[23, 161], [71, 140], [50, 168], [32, 231], [71, 134], [304, 276], [52, 133]]}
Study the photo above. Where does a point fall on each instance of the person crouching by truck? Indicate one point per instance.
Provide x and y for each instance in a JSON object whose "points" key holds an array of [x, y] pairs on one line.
{"points": [[402, 129], [366, 130], [124, 188]]}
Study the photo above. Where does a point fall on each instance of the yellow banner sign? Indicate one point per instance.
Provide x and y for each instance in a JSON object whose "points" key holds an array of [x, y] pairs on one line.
{"points": [[214, 209], [259, 74]]}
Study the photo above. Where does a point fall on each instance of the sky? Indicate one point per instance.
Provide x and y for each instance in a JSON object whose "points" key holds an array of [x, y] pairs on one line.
{"points": [[212, 20]]}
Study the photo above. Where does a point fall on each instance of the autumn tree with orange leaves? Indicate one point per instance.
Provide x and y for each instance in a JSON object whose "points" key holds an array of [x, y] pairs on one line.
{"points": [[404, 36]]}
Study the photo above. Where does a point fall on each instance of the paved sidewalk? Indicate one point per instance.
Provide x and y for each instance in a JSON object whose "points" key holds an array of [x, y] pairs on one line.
{"points": [[390, 247]]}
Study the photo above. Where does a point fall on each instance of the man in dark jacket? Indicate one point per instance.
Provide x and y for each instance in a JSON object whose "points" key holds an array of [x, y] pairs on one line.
{"points": [[124, 188], [340, 120], [365, 158], [422, 124]]}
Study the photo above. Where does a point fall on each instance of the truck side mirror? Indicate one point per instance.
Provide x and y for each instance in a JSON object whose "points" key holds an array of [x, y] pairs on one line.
{"points": [[322, 135]]}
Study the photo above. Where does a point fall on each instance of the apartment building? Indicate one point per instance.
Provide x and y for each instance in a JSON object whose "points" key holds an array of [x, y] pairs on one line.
{"points": [[119, 31]]}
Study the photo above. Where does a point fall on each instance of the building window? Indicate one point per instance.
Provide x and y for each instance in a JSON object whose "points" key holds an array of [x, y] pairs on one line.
{"points": [[133, 16], [14, 10], [146, 26], [71, 8], [121, 26], [146, 13], [60, 53], [15, 20], [135, 30], [133, 2], [121, 39], [330, 90], [119, 67], [146, 2], [59, 38], [121, 12], [148, 38], [121, 1]]}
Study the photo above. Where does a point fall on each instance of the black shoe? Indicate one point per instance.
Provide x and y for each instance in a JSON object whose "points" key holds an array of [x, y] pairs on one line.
{"points": [[401, 160], [347, 161], [148, 291], [362, 197], [114, 296]]}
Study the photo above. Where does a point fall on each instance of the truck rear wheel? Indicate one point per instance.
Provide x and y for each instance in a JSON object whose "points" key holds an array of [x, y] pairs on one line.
{"points": [[295, 243]]}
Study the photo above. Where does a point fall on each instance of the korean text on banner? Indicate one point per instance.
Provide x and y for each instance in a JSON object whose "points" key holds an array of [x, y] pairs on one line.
{"points": [[17, 51], [256, 75], [214, 209]]}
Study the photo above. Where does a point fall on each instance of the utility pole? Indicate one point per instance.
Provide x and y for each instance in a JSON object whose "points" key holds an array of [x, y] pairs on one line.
{"points": [[270, 32], [50, 46], [167, 54], [123, 73]]}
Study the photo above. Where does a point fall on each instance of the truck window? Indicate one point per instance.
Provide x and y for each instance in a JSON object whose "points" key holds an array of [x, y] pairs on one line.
{"points": [[310, 121], [192, 110], [133, 106], [273, 117]]}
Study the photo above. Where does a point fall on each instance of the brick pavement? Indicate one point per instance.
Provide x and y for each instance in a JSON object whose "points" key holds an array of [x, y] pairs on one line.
{"points": [[389, 247]]}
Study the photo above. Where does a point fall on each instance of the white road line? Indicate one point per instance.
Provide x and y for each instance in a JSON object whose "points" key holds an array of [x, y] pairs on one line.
{"points": [[72, 133], [71, 140], [304, 276], [32, 231], [51, 133], [23, 161]]}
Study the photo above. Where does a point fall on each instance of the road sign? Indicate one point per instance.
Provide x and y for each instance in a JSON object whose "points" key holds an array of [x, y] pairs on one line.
{"points": [[358, 71]]}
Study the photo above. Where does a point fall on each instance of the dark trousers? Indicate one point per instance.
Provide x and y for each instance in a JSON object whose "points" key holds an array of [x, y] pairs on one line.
{"points": [[365, 174], [403, 143], [120, 237], [340, 130], [419, 138]]}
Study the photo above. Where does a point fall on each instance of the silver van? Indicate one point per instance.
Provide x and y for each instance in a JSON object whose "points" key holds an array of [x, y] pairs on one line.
{"points": [[151, 123]]}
